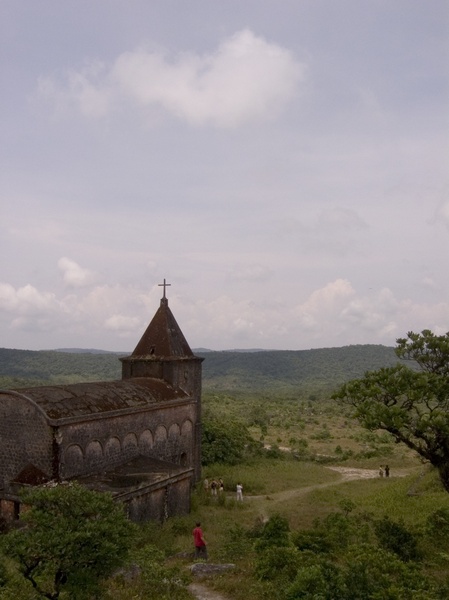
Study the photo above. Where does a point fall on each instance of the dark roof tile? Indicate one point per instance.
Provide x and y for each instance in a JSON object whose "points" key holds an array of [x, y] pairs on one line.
{"points": [[82, 399], [163, 336]]}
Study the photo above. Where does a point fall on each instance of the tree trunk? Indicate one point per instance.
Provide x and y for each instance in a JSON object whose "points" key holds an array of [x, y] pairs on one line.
{"points": [[443, 470]]}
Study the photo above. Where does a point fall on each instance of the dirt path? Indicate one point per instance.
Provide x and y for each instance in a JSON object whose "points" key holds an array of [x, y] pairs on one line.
{"points": [[347, 474], [201, 592]]}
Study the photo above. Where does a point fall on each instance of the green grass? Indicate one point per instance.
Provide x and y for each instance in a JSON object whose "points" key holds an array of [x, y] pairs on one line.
{"points": [[267, 476], [377, 496]]}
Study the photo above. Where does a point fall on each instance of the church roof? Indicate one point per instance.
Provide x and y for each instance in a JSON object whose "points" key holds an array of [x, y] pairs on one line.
{"points": [[90, 400], [163, 336]]}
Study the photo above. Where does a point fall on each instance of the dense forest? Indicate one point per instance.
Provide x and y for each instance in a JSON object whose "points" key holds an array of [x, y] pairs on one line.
{"points": [[268, 371]]}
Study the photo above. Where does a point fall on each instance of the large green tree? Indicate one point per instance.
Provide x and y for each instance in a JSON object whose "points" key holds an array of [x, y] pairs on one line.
{"points": [[71, 539], [409, 401], [223, 442]]}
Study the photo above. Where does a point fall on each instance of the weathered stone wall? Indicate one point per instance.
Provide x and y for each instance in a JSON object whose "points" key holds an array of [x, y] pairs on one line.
{"points": [[187, 375], [160, 503], [25, 438], [184, 374], [166, 433], [8, 510]]}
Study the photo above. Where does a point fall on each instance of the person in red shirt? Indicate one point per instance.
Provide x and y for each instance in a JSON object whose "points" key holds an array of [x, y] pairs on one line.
{"points": [[200, 542]]}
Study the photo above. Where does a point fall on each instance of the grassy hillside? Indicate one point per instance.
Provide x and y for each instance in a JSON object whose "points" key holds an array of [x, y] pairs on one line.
{"points": [[268, 371]]}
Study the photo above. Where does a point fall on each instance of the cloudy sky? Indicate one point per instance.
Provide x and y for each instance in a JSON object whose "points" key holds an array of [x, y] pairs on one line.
{"points": [[283, 164]]}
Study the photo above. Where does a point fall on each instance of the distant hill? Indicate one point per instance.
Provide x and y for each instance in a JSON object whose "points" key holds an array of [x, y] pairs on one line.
{"points": [[89, 351], [19, 368], [285, 370], [270, 371]]}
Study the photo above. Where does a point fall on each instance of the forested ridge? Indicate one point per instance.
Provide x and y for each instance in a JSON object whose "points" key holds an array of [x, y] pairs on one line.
{"points": [[268, 370], [223, 370]]}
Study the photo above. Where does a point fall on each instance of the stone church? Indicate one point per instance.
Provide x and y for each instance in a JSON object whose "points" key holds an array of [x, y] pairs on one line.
{"points": [[138, 438]]}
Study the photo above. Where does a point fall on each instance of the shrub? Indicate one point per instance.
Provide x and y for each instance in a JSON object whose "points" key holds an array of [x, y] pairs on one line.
{"points": [[275, 533], [275, 452], [73, 539], [438, 523], [324, 434], [223, 442], [372, 572], [315, 541], [278, 563], [155, 580], [322, 580], [395, 537], [237, 543]]}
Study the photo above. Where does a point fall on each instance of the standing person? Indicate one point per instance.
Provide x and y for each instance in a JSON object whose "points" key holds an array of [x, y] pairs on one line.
{"points": [[199, 542], [213, 487], [381, 471], [220, 486], [206, 485], [387, 471], [239, 490]]}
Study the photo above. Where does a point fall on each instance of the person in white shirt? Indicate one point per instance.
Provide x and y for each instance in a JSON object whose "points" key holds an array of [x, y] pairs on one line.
{"points": [[239, 492]]}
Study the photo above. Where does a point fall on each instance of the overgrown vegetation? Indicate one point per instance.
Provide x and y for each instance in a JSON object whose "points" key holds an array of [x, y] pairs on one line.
{"points": [[344, 556], [224, 442], [350, 548], [412, 405], [71, 540], [300, 533], [290, 538]]}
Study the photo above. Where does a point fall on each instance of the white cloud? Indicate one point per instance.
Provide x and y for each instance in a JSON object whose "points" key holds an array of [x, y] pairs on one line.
{"points": [[74, 275], [329, 299], [122, 323], [85, 91], [247, 78], [26, 300], [103, 316]]}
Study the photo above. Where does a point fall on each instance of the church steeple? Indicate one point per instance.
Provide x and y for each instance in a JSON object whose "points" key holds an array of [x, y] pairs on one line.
{"points": [[163, 336], [163, 352]]}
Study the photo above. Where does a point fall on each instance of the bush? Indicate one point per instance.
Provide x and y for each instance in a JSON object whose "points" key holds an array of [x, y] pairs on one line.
{"points": [[237, 543], [274, 452], [223, 443], [73, 539], [395, 537], [438, 523], [155, 581], [372, 572], [314, 541], [322, 580], [278, 563], [275, 533]]}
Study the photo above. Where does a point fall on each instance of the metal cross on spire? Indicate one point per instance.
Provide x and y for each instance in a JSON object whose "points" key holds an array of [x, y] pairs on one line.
{"points": [[164, 285]]}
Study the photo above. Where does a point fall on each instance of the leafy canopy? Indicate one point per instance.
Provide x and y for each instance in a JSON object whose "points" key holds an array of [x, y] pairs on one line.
{"points": [[411, 403], [71, 539], [223, 442]]}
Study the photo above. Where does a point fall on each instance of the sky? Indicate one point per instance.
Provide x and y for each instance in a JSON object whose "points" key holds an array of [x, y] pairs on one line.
{"points": [[282, 164]]}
